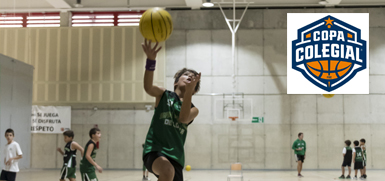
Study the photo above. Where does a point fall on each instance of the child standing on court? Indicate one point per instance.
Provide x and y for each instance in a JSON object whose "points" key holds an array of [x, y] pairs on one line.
{"points": [[347, 153], [357, 159], [363, 147], [299, 147], [69, 156], [88, 164], [12, 154]]}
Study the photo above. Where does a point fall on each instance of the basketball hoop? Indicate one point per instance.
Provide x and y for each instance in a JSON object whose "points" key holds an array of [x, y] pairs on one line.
{"points": [[233, 118]]}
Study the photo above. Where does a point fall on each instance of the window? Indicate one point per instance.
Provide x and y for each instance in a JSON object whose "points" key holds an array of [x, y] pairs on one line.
{"points": [[14, 20], [106, 18], [43, 20], [11, 20], [121, 18]]}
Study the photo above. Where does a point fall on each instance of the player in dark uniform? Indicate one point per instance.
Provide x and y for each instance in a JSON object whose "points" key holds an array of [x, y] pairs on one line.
{"points": [[88, 164], [69, 156], [365, 158], [347, 153], [358, 159], [163, 153]]}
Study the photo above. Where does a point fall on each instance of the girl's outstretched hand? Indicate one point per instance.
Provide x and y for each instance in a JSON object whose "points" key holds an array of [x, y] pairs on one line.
{"points": [[150, 52]]}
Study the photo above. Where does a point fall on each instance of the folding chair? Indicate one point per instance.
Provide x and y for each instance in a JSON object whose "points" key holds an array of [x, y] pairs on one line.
{"points": [[235, 171]]}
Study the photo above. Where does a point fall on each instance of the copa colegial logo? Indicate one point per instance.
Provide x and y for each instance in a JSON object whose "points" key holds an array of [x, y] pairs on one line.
{"points": [[328, 53]]}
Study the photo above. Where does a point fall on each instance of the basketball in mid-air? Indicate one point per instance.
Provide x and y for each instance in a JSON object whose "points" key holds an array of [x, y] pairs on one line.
{"points": [[156, 25]]}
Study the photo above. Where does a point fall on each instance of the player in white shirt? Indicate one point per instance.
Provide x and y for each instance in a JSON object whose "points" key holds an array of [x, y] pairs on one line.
{"points": [[12, 155]]}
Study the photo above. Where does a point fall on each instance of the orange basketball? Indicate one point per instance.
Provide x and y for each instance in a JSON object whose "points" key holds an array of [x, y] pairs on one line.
{"points": [[329, 70]]}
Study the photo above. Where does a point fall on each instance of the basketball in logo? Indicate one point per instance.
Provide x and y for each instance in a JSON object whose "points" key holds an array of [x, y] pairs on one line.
{"points": [[329, 53], [329, 69]]}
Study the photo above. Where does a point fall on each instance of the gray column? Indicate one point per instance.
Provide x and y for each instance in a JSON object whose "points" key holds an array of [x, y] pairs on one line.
{"points": [[65, 19]]}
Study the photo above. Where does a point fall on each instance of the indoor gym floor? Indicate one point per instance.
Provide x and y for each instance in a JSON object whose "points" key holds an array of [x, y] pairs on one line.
{"points": [[202, 175]]}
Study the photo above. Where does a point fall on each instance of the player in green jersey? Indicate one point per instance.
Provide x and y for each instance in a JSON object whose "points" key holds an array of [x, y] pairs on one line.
{"points": [[358, 157], [163, 153], [363, 147], [69, 156], [299, 147], [88, 164]]}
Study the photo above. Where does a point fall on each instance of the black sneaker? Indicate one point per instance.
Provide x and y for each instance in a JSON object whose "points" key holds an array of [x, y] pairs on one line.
{"points": [[365, 176], [355, 178], [348, 177], [342, 177]]}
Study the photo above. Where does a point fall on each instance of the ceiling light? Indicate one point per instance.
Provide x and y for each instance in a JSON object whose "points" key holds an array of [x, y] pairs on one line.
{"points": [[323, 2], [208, 3]]}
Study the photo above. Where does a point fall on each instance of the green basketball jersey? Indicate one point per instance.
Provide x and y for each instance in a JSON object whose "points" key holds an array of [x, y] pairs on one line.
{"points": [[69, 156], [359, 154], [85, 165], [299, 144], [365, 158], [166, 134]]}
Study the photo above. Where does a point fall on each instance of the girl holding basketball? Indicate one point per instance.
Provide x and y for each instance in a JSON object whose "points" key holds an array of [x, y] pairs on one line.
{"points": [[163, 153]]}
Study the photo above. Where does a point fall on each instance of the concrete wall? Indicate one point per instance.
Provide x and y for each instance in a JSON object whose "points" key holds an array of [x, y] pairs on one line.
{"points": [[201, 40], [15, 106]]}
